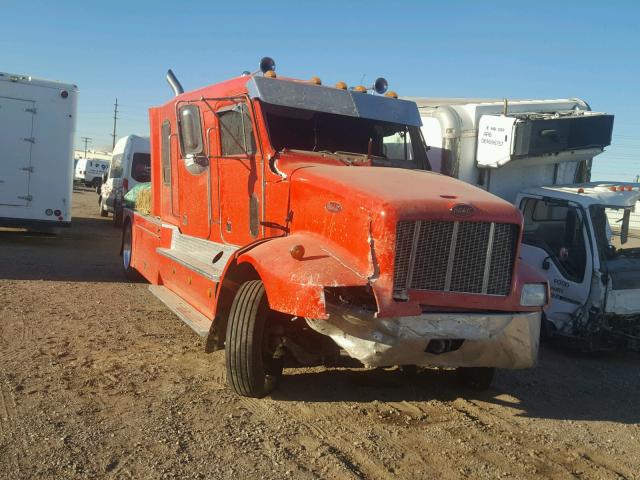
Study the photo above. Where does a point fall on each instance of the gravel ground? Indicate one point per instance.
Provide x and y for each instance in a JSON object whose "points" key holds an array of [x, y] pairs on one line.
{"points": [[99, 380]]}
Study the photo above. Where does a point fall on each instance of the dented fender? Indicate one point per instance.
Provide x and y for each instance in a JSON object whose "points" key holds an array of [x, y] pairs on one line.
{"points": [[297, 286]]}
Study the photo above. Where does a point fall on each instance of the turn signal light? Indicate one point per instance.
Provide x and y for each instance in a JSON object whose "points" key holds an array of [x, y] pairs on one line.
{"points": [[297, 252]]}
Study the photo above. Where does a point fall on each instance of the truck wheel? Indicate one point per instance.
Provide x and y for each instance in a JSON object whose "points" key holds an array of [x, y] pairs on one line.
{"points": [[251, 369], [103, 211], [477, 378], [117, 217], [127, 252]]}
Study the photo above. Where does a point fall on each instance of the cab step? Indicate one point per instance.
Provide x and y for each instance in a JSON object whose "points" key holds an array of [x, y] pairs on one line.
{"points": [[204, 257], [189, 315]]}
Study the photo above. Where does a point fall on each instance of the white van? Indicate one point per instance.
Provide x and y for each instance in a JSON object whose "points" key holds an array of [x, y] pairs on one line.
{"points": [[38, 119], [130, 165], [90, 171]]}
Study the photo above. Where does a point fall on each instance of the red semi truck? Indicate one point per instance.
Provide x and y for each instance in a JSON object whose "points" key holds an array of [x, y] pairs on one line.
{"points": [[281, 231]]}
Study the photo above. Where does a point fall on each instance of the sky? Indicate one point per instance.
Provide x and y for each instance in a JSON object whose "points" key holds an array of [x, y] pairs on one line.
{"points": [[493, 49]]}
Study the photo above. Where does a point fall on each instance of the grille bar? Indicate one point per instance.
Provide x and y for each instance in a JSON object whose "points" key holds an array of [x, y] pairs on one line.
{"points": [[465, 257]]}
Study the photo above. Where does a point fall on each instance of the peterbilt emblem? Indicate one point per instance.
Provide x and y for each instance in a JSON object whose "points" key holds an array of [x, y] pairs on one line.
{"points": [[333, 207], [463, 210]]}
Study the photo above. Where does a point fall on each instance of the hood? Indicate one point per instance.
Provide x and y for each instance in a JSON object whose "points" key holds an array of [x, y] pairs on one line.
{"points": [[402, 193]]}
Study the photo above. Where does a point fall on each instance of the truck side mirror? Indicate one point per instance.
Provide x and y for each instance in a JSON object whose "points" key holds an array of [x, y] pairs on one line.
{"points": [[196, 163]]}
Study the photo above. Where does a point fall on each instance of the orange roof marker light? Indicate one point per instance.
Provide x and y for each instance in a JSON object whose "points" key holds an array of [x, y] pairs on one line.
{"points": [[613, 188], [341, 85], [270, 74], [391, 94], [581, 190], [360, 88], [315, 81]]}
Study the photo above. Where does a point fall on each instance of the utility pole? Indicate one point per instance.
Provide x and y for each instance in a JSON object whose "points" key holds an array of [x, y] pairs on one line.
{"points": [[86, 140], [637, 178], [115, 119]]}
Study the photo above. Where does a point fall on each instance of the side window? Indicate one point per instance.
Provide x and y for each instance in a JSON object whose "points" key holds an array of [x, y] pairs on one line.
{"points": [[165, 146], [236, 131], [141, 167], [190, 130], [558, 228]]}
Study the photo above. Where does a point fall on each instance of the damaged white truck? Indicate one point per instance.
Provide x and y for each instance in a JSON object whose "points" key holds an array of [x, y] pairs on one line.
{"points": [[538, 155]]}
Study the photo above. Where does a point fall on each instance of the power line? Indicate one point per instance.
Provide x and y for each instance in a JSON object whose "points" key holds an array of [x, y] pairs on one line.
{"points": [[115, 120], [86, 141]]}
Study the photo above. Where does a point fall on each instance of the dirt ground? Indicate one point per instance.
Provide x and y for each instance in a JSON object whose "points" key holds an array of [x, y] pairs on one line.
{"points": [[99, 380]]}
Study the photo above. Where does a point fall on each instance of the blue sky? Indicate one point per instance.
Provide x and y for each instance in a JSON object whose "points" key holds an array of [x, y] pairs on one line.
{"points": [[541, 49]]}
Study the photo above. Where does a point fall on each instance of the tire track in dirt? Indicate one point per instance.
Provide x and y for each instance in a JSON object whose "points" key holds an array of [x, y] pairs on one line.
{"points": [[11, 434], [499, 426]]}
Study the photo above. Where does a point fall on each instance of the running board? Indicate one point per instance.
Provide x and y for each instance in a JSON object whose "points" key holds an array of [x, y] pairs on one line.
{"points": [[189, 315]]}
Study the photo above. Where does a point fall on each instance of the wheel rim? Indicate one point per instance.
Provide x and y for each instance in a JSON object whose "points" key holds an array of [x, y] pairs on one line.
{"points": [[126, 248]]}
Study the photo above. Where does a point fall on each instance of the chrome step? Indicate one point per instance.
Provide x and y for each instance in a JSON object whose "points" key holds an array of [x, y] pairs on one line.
{"points": [[198, 254], [189, 315]]}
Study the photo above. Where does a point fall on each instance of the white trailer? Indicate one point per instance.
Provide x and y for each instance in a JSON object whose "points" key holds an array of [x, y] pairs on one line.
{"points": [[538, 155], [37, 124]]}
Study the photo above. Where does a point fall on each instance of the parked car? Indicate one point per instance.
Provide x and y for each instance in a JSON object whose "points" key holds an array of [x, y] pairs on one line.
{"points": [[130, 165], [90, 171]]}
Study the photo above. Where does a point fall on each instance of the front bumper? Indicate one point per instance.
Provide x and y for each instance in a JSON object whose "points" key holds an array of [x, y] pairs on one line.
{"points": [[502, 340]]}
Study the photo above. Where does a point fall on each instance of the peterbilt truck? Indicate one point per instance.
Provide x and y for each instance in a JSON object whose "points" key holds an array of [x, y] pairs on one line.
{"points": [[282, 231], [538, 154]]}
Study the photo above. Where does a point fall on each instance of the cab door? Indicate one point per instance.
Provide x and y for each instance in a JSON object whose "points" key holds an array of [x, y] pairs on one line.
{"points": [[240, 175], [556, 243], [194, 173]]}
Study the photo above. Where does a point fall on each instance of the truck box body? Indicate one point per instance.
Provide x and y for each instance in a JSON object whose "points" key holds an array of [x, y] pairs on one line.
{"points": [[38, 119], [538, 142]]}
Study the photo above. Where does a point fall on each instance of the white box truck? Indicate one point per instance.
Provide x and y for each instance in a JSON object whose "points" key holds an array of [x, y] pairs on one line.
{"points": [[538, 155], [37, 124]]}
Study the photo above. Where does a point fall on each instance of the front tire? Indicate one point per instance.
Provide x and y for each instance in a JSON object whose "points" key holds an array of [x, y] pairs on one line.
{"points": [[103, 211], [252, 370], [117, 216]]}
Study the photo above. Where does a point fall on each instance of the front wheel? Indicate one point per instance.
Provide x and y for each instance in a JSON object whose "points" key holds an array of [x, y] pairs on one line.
{"points": [[103, 210], [117, 216], [252, 370]]}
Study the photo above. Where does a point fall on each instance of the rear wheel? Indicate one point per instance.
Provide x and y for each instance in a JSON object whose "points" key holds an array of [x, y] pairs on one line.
{"points": [[478, 378], [252, 370], [127, 253]]}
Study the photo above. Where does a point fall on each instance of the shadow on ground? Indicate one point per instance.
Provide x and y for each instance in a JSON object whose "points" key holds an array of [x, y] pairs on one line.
{"points": [[601, 388]]}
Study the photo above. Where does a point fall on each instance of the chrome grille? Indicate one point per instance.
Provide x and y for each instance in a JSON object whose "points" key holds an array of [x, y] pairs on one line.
{"points": [[465, 257]]}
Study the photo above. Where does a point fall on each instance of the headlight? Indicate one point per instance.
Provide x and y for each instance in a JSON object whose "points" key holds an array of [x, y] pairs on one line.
{"points": [[533, 295]]}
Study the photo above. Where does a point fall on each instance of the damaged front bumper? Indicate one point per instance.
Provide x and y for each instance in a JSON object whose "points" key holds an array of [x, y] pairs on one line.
{"points": [[502, 340]]}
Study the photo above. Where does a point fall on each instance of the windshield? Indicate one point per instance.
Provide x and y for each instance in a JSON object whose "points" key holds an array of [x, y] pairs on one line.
{"points": [[385, 143], [615, 228]]}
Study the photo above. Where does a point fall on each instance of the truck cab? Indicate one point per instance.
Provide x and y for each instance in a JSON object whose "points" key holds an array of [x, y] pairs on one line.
{"points": [[578, 237], [538, 154], [281, 229]]}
